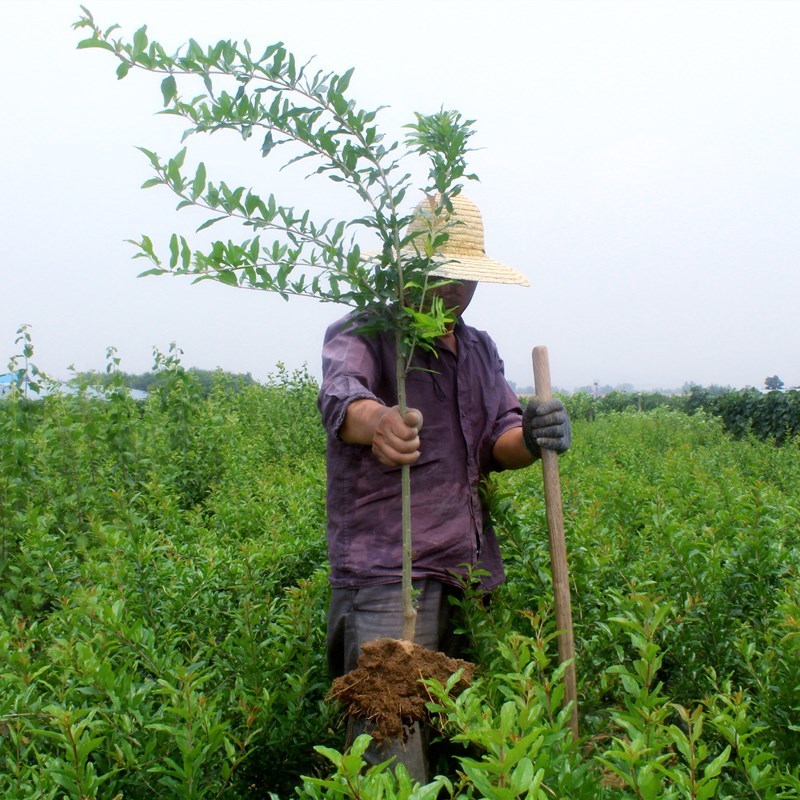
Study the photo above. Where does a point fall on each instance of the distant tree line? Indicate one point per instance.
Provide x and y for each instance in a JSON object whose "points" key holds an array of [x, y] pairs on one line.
{"points": [[151, 381], [774, 414], [588, 405], [771, 415]]}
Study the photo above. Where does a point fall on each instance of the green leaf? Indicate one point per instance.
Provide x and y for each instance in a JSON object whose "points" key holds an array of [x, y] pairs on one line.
{"points": [[522, 776], [173, 251], [152, 157], [251, 203], [707, 790], [169, 88], [228, 277], [715, 767], [199, 182], [179, 158], [87, 43], [268, 144], [123, 69], [186, 254], [140, 40], [344, 81], [209, 222]]}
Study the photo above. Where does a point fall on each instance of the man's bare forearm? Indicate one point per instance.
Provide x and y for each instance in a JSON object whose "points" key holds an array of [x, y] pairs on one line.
{"points": [[361, 420], [509, 450]]}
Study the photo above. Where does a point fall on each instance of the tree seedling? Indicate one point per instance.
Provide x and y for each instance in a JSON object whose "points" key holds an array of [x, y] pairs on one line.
{"points": [[295, 113]]}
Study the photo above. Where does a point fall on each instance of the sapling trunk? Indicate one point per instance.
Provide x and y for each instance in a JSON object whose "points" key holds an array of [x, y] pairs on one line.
{"points": [[409, 612]]}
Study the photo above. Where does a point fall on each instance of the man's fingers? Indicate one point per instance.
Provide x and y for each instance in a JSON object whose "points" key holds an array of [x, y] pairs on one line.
{"points": [[546, 425], [548, 420], [547, 406], [394, 451], [403, 428], [393, 458], [404, 440], [549, 432], [413, 418], [548, 414], [551, 444], [396, 440]]}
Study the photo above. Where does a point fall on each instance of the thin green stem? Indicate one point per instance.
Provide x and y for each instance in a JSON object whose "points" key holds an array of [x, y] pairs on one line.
{"points": [[409, 612]]}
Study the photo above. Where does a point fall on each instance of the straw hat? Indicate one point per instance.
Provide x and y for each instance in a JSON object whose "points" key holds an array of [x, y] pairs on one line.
{"points": [[463, 253]]}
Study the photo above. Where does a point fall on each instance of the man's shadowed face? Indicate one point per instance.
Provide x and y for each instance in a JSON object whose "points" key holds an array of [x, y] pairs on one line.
{"points": [[456, 295]]}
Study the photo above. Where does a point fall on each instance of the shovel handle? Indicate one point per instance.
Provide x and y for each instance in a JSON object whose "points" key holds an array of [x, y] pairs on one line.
{"points": [[558, 545]]}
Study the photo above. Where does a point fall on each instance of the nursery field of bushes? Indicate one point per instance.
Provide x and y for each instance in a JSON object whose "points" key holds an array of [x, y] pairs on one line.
{"points": [[163, 590]]}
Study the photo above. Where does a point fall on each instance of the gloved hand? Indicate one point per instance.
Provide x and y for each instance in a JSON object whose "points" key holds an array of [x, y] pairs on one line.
{"points": [[546, 424]]}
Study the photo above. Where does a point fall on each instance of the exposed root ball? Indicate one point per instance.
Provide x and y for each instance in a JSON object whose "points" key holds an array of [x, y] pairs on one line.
{"points": [[385, 688]]}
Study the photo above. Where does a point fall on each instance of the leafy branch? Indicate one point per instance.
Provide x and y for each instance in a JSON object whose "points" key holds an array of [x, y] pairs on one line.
{"points": [[294, 106], [310, 112]]}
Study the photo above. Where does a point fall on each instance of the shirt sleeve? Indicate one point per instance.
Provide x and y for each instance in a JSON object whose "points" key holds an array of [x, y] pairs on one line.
{"points": [[509, 410], [350, 369]]}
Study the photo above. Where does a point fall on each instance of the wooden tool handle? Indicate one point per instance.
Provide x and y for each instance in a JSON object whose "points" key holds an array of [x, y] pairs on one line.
{"points": [[558, 545]]}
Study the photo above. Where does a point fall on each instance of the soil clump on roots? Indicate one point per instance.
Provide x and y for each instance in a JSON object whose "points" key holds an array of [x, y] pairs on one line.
{"points": [[385, 687]]}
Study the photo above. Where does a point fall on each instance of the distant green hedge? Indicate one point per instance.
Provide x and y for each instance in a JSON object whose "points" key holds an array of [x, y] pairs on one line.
{"points": [[773, 415]]}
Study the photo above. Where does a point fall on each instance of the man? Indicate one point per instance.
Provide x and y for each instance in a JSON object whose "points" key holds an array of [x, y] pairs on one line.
{"points": [[463, 422]]}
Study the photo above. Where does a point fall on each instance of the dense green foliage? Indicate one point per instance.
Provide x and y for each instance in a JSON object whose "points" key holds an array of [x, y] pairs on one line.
{"points": [[149, 381], [164, 588], [772, 415]]}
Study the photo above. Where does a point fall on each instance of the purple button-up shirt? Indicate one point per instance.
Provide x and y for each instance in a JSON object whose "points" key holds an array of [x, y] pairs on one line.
{"points": [[466, 406]]}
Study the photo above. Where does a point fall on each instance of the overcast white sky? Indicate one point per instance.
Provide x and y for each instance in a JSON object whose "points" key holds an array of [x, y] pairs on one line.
{"points": [[640, 162]]}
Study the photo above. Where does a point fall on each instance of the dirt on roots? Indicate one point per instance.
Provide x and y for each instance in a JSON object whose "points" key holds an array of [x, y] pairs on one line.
{"points": [[385, 687]]}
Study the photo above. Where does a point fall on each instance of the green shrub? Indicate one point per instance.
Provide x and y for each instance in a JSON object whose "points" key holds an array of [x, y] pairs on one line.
{"points": [[774, 415], [163, 590]]}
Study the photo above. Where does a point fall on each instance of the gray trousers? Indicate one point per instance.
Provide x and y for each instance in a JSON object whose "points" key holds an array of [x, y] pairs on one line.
{"points": [[356, 616]]}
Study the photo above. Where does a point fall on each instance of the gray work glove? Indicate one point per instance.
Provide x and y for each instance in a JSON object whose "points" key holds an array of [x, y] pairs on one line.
{"points": [[546, 424]]}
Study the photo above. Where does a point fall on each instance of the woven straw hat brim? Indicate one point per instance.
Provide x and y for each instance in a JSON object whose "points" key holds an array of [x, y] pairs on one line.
{"points": [[462, 256], [481, 268], [469, 268]]}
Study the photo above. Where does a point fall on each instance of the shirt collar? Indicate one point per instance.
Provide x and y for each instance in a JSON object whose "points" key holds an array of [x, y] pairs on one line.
{"points": [[464, 332]]}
